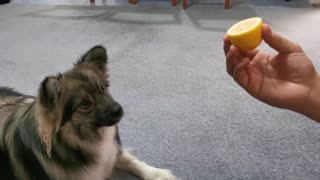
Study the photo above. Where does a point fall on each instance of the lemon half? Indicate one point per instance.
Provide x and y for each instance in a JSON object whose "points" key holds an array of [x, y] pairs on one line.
{"points": [[246, 34]]}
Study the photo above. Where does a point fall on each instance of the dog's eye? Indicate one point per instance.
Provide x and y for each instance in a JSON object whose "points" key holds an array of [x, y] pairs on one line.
{"points": [[104, 86], [85, 104]]}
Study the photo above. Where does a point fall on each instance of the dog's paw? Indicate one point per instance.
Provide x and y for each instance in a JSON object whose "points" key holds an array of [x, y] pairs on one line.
{"points": [[160, 174]]}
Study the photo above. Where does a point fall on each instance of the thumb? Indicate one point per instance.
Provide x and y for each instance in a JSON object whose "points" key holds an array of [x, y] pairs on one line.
{"points": [[277, 42]]}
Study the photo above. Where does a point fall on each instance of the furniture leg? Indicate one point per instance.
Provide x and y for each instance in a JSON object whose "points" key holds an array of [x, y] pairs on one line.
{"points": [[184, 4], [227, 4]]}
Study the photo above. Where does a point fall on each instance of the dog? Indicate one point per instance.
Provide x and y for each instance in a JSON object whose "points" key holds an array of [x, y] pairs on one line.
{"points": [[69, 130]]}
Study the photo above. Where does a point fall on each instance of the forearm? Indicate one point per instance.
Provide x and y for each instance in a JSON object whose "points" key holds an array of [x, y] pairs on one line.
{"points": [[311, 108]]}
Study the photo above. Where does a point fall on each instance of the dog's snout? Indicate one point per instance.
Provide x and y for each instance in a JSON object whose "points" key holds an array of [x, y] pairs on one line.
{"points": [[111, 115], [116, 110]]}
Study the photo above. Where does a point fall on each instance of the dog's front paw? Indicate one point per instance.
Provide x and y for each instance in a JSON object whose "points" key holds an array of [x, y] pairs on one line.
{"points": [[160, 174]]}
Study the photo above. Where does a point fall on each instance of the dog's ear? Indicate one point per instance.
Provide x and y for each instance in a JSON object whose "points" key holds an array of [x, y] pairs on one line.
{"points": [[96, 56], [50, 90], [48, 112]]}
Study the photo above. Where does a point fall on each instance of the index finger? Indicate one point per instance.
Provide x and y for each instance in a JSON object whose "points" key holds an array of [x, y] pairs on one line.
{"points": [[226, 44]]}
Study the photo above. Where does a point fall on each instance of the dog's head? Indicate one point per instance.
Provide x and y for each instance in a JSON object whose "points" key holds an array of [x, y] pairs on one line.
{"points": [[78, 100]]}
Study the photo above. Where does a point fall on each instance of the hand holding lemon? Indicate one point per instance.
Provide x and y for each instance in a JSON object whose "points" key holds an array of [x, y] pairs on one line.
{"points": [[287, 79]]}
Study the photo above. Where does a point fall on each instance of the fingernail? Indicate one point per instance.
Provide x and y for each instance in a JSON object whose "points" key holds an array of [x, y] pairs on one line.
{"points": [[267, 31], [233, 49]]}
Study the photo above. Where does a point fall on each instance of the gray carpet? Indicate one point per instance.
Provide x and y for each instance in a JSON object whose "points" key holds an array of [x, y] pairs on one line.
{"points": [[183, 112]]}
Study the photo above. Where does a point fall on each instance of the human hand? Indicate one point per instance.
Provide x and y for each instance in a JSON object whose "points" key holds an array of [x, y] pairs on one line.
{"points": [[283, 80]]}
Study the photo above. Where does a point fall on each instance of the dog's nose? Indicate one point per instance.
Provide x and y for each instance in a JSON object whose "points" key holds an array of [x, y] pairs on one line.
{"points": [[116, 110]]}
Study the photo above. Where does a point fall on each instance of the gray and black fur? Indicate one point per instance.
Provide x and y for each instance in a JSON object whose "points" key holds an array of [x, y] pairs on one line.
{"points": [[69, 130], [57, 130]]}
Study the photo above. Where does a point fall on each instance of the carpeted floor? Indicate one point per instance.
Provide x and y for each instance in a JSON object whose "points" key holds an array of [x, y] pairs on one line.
{"points": [[183, 112]]}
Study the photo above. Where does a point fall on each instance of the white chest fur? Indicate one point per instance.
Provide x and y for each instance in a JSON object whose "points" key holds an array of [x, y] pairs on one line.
{"points": [[107, 152]]}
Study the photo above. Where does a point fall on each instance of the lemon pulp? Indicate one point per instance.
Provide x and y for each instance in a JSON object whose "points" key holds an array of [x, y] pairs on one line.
{"points": [[246, 34]]}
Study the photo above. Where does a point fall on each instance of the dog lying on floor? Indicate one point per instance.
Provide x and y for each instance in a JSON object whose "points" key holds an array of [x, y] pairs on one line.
{"points": [[68, 131]]}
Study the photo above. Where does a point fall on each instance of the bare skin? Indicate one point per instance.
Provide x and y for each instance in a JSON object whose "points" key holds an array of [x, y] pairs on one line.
{"points": [[287, 79]]}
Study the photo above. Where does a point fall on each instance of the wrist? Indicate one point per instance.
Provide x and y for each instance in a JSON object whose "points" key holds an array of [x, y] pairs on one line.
{"points": [[311, 107]]}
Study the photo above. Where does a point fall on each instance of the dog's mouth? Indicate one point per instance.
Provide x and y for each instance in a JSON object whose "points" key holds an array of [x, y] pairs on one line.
{"points": [[108, 121]]}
